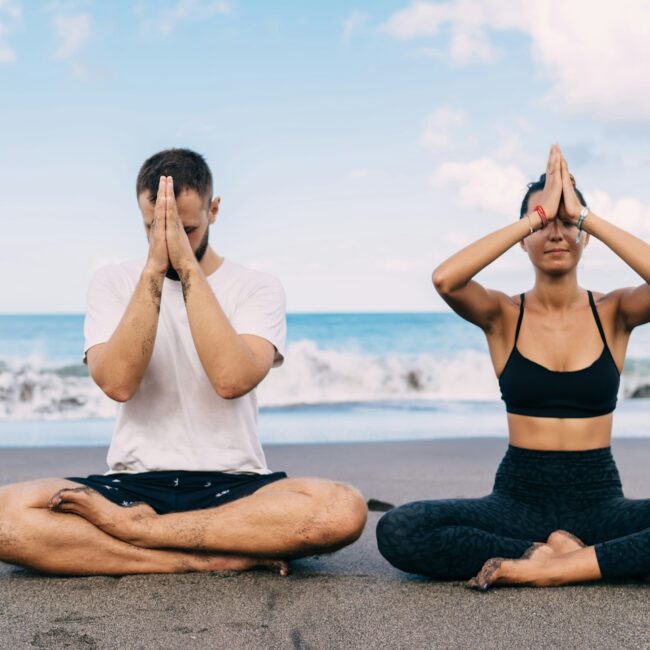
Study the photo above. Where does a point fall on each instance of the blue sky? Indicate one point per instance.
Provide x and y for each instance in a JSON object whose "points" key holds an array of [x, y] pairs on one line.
{"points": [[354, 144]]}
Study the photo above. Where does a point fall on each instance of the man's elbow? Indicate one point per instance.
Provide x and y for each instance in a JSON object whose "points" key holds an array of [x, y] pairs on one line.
{"points": [[118, 393], [231, 392]]}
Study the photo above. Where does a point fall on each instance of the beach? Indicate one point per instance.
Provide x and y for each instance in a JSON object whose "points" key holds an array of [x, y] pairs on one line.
{"points": [[350, 599]]}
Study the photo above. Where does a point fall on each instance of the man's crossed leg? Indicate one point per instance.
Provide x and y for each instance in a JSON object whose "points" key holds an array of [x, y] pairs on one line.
{"points": [[58, 526]]}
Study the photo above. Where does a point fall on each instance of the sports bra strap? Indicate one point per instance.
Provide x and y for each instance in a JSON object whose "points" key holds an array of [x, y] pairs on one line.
{"points": [[596, 317], [521, 316]]}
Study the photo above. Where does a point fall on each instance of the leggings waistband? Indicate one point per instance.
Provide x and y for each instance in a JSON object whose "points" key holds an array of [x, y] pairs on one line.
{"points": [[590, 473]]}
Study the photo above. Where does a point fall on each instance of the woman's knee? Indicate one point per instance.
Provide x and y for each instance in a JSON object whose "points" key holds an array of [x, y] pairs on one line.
{"points": [[395, 534], [413, 538]]}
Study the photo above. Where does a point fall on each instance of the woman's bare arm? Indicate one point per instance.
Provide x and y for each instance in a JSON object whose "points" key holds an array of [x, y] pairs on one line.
{"points": [[453, 279], [634, 302]]}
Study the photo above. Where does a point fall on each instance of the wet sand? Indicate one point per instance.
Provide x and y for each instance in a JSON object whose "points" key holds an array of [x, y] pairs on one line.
{"points": [[351, 599]]}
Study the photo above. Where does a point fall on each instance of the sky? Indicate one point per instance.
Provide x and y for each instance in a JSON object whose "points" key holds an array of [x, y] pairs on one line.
{"points": [[354, 145]]}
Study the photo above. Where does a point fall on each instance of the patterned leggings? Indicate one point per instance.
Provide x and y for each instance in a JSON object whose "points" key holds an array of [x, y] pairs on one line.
{"points": [[535, 493]]}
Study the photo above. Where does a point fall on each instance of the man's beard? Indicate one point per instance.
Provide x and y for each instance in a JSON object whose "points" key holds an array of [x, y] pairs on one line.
{"points": [[198, 253]]}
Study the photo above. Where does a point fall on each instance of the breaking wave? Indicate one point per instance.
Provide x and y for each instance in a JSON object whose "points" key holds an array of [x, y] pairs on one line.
{"points": [[31, 389]]}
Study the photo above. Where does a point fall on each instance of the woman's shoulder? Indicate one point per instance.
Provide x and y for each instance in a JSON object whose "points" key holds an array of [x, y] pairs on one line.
{"points": [[608, 303], [627, 307]]}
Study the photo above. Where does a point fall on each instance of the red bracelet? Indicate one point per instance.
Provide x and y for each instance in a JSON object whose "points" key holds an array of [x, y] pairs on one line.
{"points": [[542, 215]]}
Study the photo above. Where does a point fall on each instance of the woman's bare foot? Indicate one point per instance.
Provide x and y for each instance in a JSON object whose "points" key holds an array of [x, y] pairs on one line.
{"points": [[564, 559], [527, 571], [522, 571], [538, 551], [123, 522], [561, 541]]}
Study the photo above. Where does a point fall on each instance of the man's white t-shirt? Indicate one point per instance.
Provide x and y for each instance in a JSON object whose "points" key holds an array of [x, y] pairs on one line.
{"points": [[176, 420]]}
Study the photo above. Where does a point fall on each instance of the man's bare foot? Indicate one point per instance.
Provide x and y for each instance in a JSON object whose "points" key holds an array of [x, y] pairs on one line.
{"points": [[209, 562], [123, 522]]}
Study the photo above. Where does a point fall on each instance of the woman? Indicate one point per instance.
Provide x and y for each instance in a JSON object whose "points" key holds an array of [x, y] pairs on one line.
{"points": [[558, 351]]}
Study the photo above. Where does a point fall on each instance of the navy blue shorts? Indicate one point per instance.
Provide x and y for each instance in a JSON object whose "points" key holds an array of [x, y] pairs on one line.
{"points": [[177, 491]]}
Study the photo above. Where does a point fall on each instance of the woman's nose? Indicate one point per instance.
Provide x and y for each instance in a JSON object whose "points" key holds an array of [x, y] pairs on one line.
{"points": [[555, 229]]}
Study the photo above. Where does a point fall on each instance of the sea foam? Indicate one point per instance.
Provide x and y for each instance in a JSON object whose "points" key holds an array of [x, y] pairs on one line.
{"points": [[30, 389]]}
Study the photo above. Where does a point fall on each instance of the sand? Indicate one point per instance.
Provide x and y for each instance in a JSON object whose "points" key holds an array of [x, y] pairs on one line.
{"points": [[351, 599]]}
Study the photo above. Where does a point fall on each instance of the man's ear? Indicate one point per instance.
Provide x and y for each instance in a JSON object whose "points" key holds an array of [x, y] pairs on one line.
{"points": [[214, 209]]}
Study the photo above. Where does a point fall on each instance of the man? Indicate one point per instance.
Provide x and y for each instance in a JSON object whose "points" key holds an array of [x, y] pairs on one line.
{"points": [[180, 340]]}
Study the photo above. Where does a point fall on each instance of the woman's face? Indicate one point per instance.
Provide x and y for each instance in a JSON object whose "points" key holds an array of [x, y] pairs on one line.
{"points": [[554, 249]]}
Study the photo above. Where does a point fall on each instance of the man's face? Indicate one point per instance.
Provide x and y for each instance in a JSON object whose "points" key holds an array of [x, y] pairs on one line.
{"points": [[194, 214]]}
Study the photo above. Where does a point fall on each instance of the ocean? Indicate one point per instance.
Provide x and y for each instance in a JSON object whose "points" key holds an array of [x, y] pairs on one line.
{"points": [[346, 377]]}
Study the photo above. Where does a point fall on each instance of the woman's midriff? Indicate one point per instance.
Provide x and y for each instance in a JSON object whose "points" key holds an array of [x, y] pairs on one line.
{"points": [[560, 434]]}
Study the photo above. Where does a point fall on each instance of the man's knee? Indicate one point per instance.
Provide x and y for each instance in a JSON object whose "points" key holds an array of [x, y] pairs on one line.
{"points": [[354, 512], [342, 515], [10, 517], [18, 534], [32, 494]]}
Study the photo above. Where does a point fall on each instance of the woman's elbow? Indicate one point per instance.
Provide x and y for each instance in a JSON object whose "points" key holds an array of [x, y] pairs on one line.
{"points": [[440, 282]]}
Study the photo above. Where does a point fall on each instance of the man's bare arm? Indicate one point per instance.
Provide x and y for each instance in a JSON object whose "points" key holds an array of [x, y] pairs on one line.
{"points": [[118, 365], [234, 363]]}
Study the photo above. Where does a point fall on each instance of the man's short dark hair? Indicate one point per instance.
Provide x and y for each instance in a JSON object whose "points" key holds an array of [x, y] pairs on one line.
{"points": [[188, 169]]}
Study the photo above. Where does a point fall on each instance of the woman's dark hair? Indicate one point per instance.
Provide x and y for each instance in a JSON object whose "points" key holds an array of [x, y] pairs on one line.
{"points": [[188, 169], [537, 186]]}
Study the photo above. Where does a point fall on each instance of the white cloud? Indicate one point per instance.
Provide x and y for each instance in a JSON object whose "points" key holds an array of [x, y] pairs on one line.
{"points": [[429, 53], [9, 10], [190, 10], [512, 145], [89, 73], [458, 238], [7, 55], [468, 22], [483, 184], [626, 212], [437, 135], [400, 265], [420, 19], [355, 20], [73, 32], [594, 54], [359, 173]]}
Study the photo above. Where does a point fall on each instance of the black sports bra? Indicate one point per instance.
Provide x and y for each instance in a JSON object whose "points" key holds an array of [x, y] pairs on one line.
{"points": [[529, 388]]}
